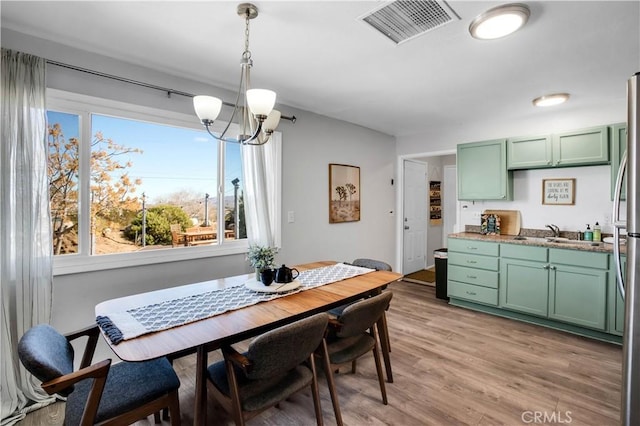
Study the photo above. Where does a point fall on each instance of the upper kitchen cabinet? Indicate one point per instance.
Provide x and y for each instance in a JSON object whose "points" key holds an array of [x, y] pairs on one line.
{"points": [[482, 171], [585, 147], [618, 148], [529, 153]]}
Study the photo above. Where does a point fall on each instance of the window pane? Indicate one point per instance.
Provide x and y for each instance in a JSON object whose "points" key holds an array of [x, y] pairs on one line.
{"points": [[63, 142], [146, 177], [233, 193]]}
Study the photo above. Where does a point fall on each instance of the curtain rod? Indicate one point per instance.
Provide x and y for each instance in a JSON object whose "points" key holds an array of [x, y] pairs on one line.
{"points": [[168, 91]]}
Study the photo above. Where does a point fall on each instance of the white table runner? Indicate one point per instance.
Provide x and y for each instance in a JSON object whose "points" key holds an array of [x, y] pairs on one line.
{"points": [[134, 322]]}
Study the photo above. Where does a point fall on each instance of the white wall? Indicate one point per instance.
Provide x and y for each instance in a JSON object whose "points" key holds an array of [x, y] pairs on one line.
{"points": [[592, 200], [308, 147]]}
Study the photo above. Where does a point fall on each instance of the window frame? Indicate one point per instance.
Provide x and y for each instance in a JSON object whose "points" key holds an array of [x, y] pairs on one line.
{"points": [[83, 261]]}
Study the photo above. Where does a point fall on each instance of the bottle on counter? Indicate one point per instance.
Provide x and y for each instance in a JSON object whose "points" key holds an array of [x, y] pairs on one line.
{"points": [[597, 232], [588, 234]]}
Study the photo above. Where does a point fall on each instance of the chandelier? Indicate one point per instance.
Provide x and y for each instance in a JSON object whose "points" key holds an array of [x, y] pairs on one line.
{"points": [[259, 119]]}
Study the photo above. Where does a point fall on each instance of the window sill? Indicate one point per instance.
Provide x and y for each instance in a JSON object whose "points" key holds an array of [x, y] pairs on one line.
{"points": [[76, 264]]}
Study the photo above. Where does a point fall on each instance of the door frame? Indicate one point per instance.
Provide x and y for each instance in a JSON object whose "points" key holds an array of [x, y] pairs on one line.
{"points": [[400, 199]]}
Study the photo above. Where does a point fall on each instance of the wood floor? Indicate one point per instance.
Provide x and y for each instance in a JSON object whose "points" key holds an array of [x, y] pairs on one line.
{"points": [[451, 366]]}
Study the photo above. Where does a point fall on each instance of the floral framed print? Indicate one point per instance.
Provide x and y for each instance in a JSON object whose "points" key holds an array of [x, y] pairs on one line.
{"points": [[344, 193]]}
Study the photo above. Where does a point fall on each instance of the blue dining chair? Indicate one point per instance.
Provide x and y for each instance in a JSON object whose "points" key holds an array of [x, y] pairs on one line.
{"points": [[118, 394]]}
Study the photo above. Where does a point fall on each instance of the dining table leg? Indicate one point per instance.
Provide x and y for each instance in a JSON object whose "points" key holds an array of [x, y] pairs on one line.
{"points": [[200, 403]]}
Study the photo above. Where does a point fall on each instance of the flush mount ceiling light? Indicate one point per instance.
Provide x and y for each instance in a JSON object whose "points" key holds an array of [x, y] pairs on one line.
{"points": [[259, 119], [550, 100], [499, 21]]}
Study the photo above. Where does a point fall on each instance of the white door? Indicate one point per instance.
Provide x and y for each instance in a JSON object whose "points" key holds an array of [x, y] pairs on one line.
{"points": [[449, 202], [415, 216]]}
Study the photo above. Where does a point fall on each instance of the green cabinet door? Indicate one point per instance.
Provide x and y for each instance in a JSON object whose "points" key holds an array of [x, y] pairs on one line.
{"points": [[482, 171], [582, 147], [616, 303], [578, 295], [529, 153], [618, 147], [524, 286]]}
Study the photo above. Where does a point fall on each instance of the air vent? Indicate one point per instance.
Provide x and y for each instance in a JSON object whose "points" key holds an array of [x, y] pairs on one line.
{"points": [[401, 21]]}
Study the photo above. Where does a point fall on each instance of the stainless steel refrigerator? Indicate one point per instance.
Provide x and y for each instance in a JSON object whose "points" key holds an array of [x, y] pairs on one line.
{"points": [[629, 285]]}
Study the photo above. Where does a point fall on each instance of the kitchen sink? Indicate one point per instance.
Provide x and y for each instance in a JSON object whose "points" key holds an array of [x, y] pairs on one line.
{"points": [[560, 240]]}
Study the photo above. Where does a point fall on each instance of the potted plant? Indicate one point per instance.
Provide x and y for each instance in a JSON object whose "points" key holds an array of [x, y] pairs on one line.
{"points": [[261, 258]]}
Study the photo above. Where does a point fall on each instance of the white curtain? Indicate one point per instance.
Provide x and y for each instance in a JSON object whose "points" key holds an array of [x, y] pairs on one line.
{"points": [[261, 171], [25, 226]]}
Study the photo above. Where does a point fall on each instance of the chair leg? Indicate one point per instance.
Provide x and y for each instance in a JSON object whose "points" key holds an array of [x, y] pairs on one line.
{"points": [[235, 394], [376, 356], [331, 383], [156, 418], [174, 408], [315, 392], [353, 366], [384, 345]]}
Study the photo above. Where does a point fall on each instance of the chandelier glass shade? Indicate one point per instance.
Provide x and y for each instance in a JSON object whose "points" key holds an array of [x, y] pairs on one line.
{"points": [[258, 118]]}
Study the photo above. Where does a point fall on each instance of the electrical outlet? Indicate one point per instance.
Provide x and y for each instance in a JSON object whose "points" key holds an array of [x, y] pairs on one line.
{"points": [[291, 217], [606, 218], [476, 214]]}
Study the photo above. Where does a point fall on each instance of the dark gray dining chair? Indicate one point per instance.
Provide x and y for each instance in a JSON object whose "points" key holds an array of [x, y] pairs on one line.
{"points": [[354, 333], [270, 371], [378, 265], [99, 393]]}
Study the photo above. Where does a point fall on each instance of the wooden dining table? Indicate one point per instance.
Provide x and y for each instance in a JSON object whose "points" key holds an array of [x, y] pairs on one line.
{"points": [[212, 333]]}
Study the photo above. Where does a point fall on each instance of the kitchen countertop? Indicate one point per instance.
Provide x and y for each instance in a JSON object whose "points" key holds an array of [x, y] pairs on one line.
{"points": [[541, 242]]}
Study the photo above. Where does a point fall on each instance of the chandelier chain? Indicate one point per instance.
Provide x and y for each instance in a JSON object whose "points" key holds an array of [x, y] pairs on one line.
{"points": [[247, 53]]}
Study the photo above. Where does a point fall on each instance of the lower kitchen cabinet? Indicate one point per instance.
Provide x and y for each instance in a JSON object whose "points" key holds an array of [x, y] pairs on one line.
{"points": [[560, 288], [578, 295], [616, 302], [472, 272], [524, 286]]}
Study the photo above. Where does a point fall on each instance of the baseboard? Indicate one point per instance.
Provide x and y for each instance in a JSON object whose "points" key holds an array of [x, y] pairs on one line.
{"points": [[418, 282]]}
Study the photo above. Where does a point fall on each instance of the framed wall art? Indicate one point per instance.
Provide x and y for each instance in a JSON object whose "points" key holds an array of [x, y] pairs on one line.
{"points": [[435, 203], [561, 192], [344, 193]]}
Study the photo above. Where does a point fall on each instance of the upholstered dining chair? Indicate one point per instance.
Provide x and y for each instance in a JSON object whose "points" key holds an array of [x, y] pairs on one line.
{"points": [[354, 333], [270, 371], [99, 393], [378, 265]]}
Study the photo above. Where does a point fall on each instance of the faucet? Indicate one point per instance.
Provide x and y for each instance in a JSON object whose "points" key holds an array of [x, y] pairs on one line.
{"points": [[554, 229]]}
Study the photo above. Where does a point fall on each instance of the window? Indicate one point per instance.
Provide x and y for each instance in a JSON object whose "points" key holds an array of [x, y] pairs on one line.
{"points": [[132, 185]]}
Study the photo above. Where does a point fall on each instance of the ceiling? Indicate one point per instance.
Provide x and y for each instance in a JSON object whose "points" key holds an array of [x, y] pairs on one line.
{"points": [[318, 56]]}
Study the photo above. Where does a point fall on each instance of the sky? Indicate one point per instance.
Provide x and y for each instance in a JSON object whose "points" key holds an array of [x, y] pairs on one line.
{"points": [[172, 159]]}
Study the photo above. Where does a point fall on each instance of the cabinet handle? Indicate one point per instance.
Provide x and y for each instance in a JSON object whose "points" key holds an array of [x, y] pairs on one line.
{"points": [[472, 261], [472, 248], [473, 277], [545, 267], [553, 267], [471, 293]]}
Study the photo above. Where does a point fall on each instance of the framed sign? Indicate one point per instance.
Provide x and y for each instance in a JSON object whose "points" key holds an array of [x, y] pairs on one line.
{"points": [[344, 193], [435, 204], [560, 192]]}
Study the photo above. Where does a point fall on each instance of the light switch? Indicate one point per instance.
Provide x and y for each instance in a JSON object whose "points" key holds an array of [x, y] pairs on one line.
{"points": [[291, 217]]}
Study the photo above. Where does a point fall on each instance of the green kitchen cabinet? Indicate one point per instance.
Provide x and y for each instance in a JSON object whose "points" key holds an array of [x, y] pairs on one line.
{"points": [[529, 153], [472, 271], [482, 171], [578, 296], [616, 302], [618, 148], [584, 147], [524, 279], [524, 286], [581, 147], [578, 287]]}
